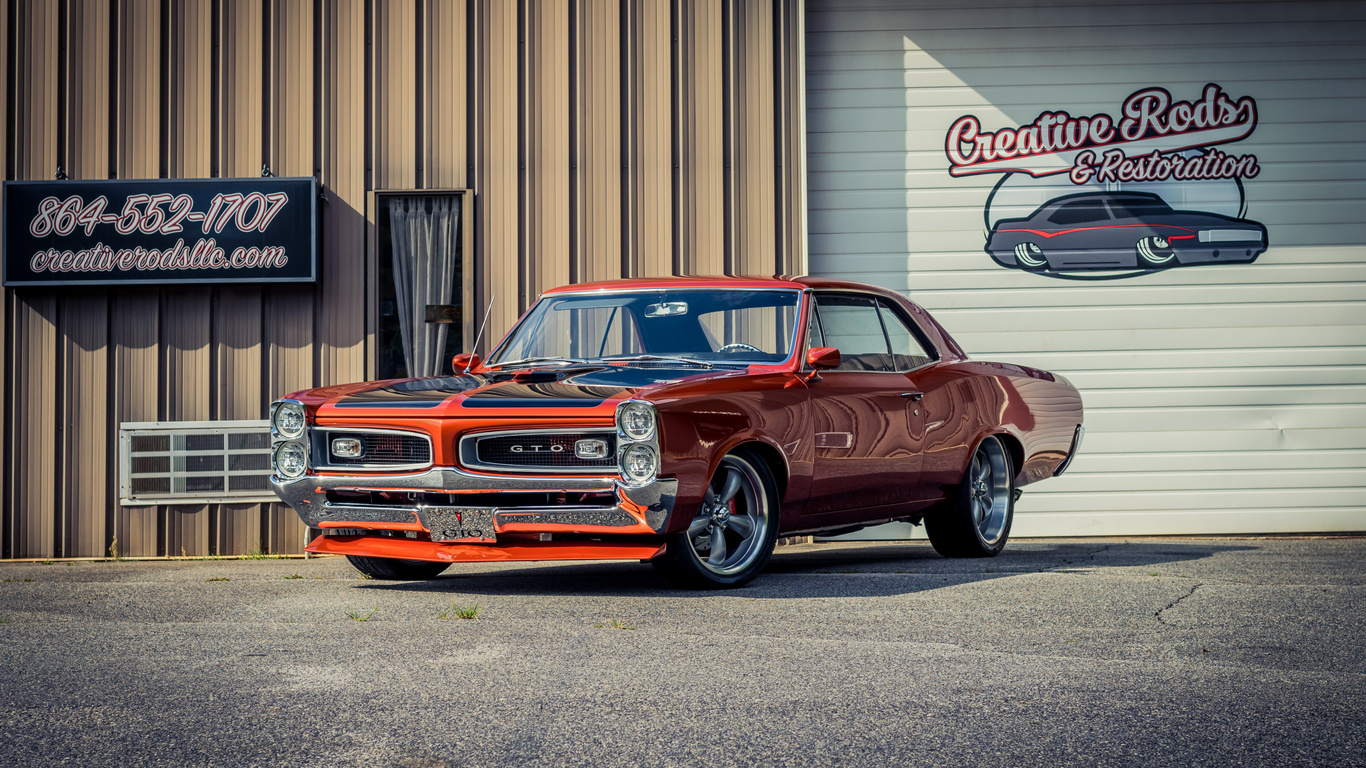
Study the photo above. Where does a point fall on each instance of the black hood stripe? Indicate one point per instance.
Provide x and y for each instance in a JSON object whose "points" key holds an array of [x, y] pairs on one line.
{"points": [[530, 402]]}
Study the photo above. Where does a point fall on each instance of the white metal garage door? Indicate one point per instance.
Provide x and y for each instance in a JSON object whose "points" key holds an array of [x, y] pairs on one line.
{"points": [[1221, 398]]}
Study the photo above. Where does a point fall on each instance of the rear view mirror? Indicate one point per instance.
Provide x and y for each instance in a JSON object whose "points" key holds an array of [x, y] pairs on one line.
{"points": [[667, 309], [823, 357], [464, 361]]}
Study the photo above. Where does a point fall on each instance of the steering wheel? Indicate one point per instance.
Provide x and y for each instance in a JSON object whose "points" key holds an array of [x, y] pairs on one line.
{"points": [[740, 345]]}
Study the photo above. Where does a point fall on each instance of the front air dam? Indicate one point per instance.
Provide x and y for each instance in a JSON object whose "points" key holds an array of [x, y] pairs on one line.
{"points": [[409, 549]]}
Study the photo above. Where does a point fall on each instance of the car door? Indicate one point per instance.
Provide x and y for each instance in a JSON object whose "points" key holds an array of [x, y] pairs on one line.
{"points": [[867, 452]]}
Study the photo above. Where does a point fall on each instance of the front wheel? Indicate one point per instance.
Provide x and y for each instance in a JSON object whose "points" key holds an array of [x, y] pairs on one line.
{"points": [[389, 569], [976, 521], [1155, 252], [732, 536]]}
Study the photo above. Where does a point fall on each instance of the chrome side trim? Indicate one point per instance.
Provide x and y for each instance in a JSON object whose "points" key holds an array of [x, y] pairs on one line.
{"points": [[318, 462], [469, 452], [1072, 452]]}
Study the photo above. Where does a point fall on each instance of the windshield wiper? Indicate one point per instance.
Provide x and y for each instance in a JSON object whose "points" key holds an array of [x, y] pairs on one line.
{"points": [[539, 360], [666, 358]]}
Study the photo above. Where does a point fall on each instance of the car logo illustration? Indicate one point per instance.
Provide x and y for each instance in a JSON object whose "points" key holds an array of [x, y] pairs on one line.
{"points": [[1121, 230]]}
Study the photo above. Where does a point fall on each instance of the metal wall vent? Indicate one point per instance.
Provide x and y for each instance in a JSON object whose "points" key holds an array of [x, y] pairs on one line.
{"points": [[194, 462]]}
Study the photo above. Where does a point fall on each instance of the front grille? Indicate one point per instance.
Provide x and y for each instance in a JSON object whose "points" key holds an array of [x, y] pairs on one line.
{"points": [[378, 449], [545, 451]]}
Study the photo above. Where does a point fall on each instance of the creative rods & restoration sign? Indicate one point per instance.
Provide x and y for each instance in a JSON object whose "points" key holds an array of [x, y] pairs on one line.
{"points": [[160, 231]]}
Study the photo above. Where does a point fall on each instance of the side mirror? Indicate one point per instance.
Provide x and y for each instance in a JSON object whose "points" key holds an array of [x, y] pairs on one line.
{"points": [[823, 357], [463, 361]]}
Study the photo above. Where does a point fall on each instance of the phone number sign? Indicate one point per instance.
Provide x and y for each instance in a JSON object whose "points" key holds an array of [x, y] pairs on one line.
{"points": [[160, 231]]}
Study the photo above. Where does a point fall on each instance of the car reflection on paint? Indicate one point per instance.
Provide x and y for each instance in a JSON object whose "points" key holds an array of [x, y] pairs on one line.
{"points": [[688, 422], [1121, 230]]}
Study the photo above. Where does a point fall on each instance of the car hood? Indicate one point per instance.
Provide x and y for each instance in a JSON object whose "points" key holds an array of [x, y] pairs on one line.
{"points": [[571, 389]]}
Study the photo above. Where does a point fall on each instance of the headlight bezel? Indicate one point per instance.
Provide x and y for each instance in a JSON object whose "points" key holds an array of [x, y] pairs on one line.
{"points": [[281, 408], [278, 467], [634, 409], [626, 463], [637, 440], [281, 439]]}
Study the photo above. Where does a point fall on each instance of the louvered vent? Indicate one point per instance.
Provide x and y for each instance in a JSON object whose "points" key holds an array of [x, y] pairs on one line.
{"points": [[194, 462]]}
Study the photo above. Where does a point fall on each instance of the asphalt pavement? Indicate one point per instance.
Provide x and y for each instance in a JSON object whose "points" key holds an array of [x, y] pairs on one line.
{"points": [[1143, 652]]}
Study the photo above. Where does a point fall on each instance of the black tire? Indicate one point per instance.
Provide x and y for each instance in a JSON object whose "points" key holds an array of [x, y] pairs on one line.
{"points": [[389, 569], [741, 557], [1030, 256], [1155, 253], [961, 527]]}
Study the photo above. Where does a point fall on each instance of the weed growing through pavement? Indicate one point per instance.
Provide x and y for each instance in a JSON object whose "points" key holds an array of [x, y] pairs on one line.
{"points": [[4, 620], [9, 580], [462, 611], [293, 576], [1154, 573], [614, 624], [260, 554], [355, 615], [219, 578], [114, 549], [48, 562]]}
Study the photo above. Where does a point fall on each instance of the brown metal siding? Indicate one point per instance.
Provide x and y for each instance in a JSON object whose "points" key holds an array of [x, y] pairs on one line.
{"points": [[601, 138]]}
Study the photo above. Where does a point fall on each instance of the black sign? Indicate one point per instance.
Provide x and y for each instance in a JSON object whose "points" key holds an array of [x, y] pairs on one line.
{"points": [[161, 231]]}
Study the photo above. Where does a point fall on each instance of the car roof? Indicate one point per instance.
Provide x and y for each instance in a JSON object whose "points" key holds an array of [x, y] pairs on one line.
{"points": [[739, 281], [1102, 195]]}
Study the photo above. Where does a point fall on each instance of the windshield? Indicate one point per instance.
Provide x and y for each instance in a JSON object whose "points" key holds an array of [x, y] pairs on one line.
{"points": [[705, 326]]}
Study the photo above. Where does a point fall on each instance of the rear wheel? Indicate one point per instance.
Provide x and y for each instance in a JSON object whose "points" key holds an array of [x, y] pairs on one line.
{"points": [[389, 569], [976, 521], [732, 536], [1030, 256]]}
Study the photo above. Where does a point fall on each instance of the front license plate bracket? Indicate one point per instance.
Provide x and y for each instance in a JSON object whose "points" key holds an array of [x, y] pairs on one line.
{"points": [[459, 524]]}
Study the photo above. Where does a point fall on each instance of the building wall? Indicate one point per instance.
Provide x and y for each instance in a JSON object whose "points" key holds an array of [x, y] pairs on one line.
{"points": [[1219, 399], [601, 139]]}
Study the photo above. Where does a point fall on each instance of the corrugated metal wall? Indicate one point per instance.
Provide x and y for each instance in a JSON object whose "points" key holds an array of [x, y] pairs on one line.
{"points": [[1224, 399], [601, 139]]}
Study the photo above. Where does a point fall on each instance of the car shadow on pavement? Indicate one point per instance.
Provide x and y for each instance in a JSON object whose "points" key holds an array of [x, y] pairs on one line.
{"points": [[859, 569]]}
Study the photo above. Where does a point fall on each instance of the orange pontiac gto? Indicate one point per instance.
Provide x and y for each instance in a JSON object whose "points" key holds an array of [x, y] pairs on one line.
{"points": [[687, 422]]}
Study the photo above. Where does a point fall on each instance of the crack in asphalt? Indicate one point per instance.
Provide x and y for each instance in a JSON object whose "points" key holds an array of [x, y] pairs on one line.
{"points": [[1173, 604]]}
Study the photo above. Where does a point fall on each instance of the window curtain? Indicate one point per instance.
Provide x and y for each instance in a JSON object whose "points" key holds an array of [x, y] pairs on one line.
{"points": [[425, 252]]}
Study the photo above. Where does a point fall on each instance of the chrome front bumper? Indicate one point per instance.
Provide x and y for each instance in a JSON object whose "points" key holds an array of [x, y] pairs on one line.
{"points": [[637, 510]]}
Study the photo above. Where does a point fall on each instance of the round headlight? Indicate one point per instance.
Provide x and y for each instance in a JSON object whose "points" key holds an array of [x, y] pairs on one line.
{"points": [[291, 460], [289, 420], [639, 463], [637, 420]]}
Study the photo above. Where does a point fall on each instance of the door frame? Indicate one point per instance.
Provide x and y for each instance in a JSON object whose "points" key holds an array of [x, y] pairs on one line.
{"points": [[467, 266]]}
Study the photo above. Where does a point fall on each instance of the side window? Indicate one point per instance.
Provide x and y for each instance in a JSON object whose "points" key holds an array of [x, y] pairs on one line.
{"points": [[851, 325], [1138, 207], [1080, 212], [907, 351]]}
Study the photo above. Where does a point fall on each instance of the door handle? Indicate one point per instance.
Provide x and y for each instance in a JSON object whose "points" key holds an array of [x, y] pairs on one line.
{"points": [[915, 396]]}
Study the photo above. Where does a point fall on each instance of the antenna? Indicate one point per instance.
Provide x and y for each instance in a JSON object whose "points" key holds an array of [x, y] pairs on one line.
{"points": [[480, 334]]}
